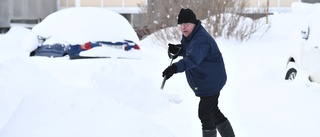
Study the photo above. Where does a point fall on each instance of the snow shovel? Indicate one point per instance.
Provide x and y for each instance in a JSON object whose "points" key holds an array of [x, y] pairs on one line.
{"points": [[165, 76]]}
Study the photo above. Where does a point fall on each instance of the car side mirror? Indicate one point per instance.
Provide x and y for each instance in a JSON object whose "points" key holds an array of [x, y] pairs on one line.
{"points": [[305, 33]]}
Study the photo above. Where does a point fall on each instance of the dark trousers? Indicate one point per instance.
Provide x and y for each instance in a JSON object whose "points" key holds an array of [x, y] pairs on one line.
{"points": [[209, 113]]}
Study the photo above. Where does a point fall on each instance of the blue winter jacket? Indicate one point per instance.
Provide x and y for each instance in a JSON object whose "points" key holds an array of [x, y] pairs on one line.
{"points": [[202, 62]]}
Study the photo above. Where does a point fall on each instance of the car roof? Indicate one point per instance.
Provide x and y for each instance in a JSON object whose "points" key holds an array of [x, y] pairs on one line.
{"points": [[83, 24]]}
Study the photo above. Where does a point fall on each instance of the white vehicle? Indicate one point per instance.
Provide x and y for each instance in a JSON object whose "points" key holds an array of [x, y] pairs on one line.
{"points": [[304, 49]]}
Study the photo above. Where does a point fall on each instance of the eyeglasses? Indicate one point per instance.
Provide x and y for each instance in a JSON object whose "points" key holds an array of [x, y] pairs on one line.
{"points": [[184, 24]]}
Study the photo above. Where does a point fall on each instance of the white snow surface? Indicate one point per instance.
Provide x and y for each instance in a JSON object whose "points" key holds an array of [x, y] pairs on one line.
{"points": [[57, 97], [87, 23]]}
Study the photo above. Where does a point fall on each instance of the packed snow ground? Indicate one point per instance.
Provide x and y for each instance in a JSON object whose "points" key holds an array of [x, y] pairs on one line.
{"points": [[53, 97]]}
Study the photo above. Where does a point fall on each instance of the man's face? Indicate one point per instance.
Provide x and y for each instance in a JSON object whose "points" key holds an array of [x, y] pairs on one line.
{"points": [[186, 28]]}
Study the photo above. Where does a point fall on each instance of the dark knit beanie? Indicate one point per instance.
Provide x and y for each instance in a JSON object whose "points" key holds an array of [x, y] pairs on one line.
{"points": [[187, 16]]}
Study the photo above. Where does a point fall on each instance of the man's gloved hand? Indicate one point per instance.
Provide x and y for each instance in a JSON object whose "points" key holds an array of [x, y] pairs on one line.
{"points": [[169, 71], [174, 50]]}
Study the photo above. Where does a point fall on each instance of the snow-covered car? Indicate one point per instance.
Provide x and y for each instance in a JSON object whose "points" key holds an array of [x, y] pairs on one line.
{"points": [[304, 49], [110, 32]]}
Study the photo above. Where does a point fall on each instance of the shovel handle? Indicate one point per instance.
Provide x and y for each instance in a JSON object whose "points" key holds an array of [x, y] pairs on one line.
{"points": [[165, 77], [163, 81]]}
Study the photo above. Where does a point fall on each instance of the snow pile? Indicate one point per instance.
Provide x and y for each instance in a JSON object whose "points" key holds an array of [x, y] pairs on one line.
{"points": [[94, 24]]}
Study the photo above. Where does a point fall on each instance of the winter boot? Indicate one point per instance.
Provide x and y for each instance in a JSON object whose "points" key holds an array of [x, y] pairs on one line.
{"points": [[209, 133], [225, 129]]}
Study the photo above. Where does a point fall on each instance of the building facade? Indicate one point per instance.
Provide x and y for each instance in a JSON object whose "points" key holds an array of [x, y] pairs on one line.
{"points": [[33, 11], [120, 6], [273, 5], [311, 1], [25, 11], [278, 5], [127, 8]]}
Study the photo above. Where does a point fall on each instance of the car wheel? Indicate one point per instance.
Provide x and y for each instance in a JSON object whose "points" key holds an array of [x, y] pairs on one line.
{"points": [[292, 72]]}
